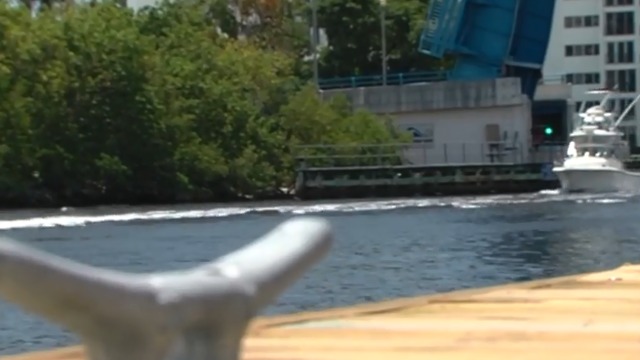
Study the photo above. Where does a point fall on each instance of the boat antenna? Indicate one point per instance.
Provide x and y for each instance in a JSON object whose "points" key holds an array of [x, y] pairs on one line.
{"points": [[582, 106], [604, 100], [606, 97], [626, 111]]}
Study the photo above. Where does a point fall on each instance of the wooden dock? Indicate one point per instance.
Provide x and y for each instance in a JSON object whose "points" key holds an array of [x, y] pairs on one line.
{"points": [[586, 317]]}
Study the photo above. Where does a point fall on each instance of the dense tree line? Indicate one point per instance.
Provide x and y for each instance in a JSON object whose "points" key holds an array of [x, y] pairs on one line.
{"points": [[191, 100], [101, 104]]}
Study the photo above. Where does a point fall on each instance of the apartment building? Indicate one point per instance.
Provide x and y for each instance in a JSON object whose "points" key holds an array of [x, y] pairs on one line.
{"points": [[596, 44]]}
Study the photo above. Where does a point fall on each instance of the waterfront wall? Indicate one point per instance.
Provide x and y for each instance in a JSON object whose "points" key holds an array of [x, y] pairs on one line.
{"points": [[463, 136], [423, 97]]}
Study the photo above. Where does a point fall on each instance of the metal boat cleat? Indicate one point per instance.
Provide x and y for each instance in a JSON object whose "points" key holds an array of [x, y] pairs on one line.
{"points": [[195, 314]]}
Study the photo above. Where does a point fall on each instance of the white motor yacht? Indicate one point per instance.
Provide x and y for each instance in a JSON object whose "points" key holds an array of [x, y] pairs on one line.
{"points": [[596, 153]]}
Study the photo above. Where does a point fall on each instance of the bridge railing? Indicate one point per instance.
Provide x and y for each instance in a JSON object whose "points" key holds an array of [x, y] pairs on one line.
{"points": [[377, 80], [424, 154]]}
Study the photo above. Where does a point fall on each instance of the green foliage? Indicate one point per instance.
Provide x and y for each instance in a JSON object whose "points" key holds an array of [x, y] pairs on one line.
{"points": [[353, 29], [99, 104]]}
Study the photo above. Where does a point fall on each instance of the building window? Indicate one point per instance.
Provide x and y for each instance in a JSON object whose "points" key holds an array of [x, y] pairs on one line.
{"points": [[582, 50], [621, 52], [618, 2], [591, 21], [622, 104], [625, 80], [582, 78], [619, 23], [581, 21]]}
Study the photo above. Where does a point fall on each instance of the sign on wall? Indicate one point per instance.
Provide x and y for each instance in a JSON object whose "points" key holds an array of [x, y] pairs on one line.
{"points": [[422, 133]]}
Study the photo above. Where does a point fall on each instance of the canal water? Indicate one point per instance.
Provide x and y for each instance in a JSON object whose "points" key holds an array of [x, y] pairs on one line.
{"points": [[384, 249]]}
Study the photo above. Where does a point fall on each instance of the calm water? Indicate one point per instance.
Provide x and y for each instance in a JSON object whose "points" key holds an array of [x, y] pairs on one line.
{"points": [[383, 249]]}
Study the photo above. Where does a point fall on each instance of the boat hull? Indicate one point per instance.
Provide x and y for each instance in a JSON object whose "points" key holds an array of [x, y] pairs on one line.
{"points": [[598, 180]]}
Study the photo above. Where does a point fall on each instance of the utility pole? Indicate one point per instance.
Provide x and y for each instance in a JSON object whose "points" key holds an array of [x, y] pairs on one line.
{"points": [[314, 41], [239, 30], [383, 34]]}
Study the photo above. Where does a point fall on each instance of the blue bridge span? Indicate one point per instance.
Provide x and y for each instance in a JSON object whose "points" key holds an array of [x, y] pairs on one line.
{"points": [[489, 39]]}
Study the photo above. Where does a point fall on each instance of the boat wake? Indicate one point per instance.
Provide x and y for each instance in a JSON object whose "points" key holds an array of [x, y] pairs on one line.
{"points": [[69, 217]]}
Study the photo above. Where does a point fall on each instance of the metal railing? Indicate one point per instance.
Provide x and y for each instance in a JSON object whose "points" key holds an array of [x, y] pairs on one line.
{"points": [[407, 79], [425, 154], [361, 155], [377, 80]]}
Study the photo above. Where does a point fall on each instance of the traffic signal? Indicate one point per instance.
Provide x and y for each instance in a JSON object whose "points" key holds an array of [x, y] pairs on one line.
{"points": [[548, 130]]}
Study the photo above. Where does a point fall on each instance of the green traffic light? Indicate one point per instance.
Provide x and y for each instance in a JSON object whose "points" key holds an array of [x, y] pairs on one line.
{"points": [[548, 130]]}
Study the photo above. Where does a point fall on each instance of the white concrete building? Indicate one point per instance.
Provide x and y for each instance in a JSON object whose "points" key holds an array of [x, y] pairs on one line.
{"points": [[454, 122], [596, 44]]}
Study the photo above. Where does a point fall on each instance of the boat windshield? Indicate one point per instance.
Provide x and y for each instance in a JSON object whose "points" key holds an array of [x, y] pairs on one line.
{"points": [[589, 150], [599, 140], [588, 145]]}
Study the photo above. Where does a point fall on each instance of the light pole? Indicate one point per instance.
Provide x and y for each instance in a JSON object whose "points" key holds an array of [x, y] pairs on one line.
{"points": [[314, 41], [239, 30], [383, 34]]}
